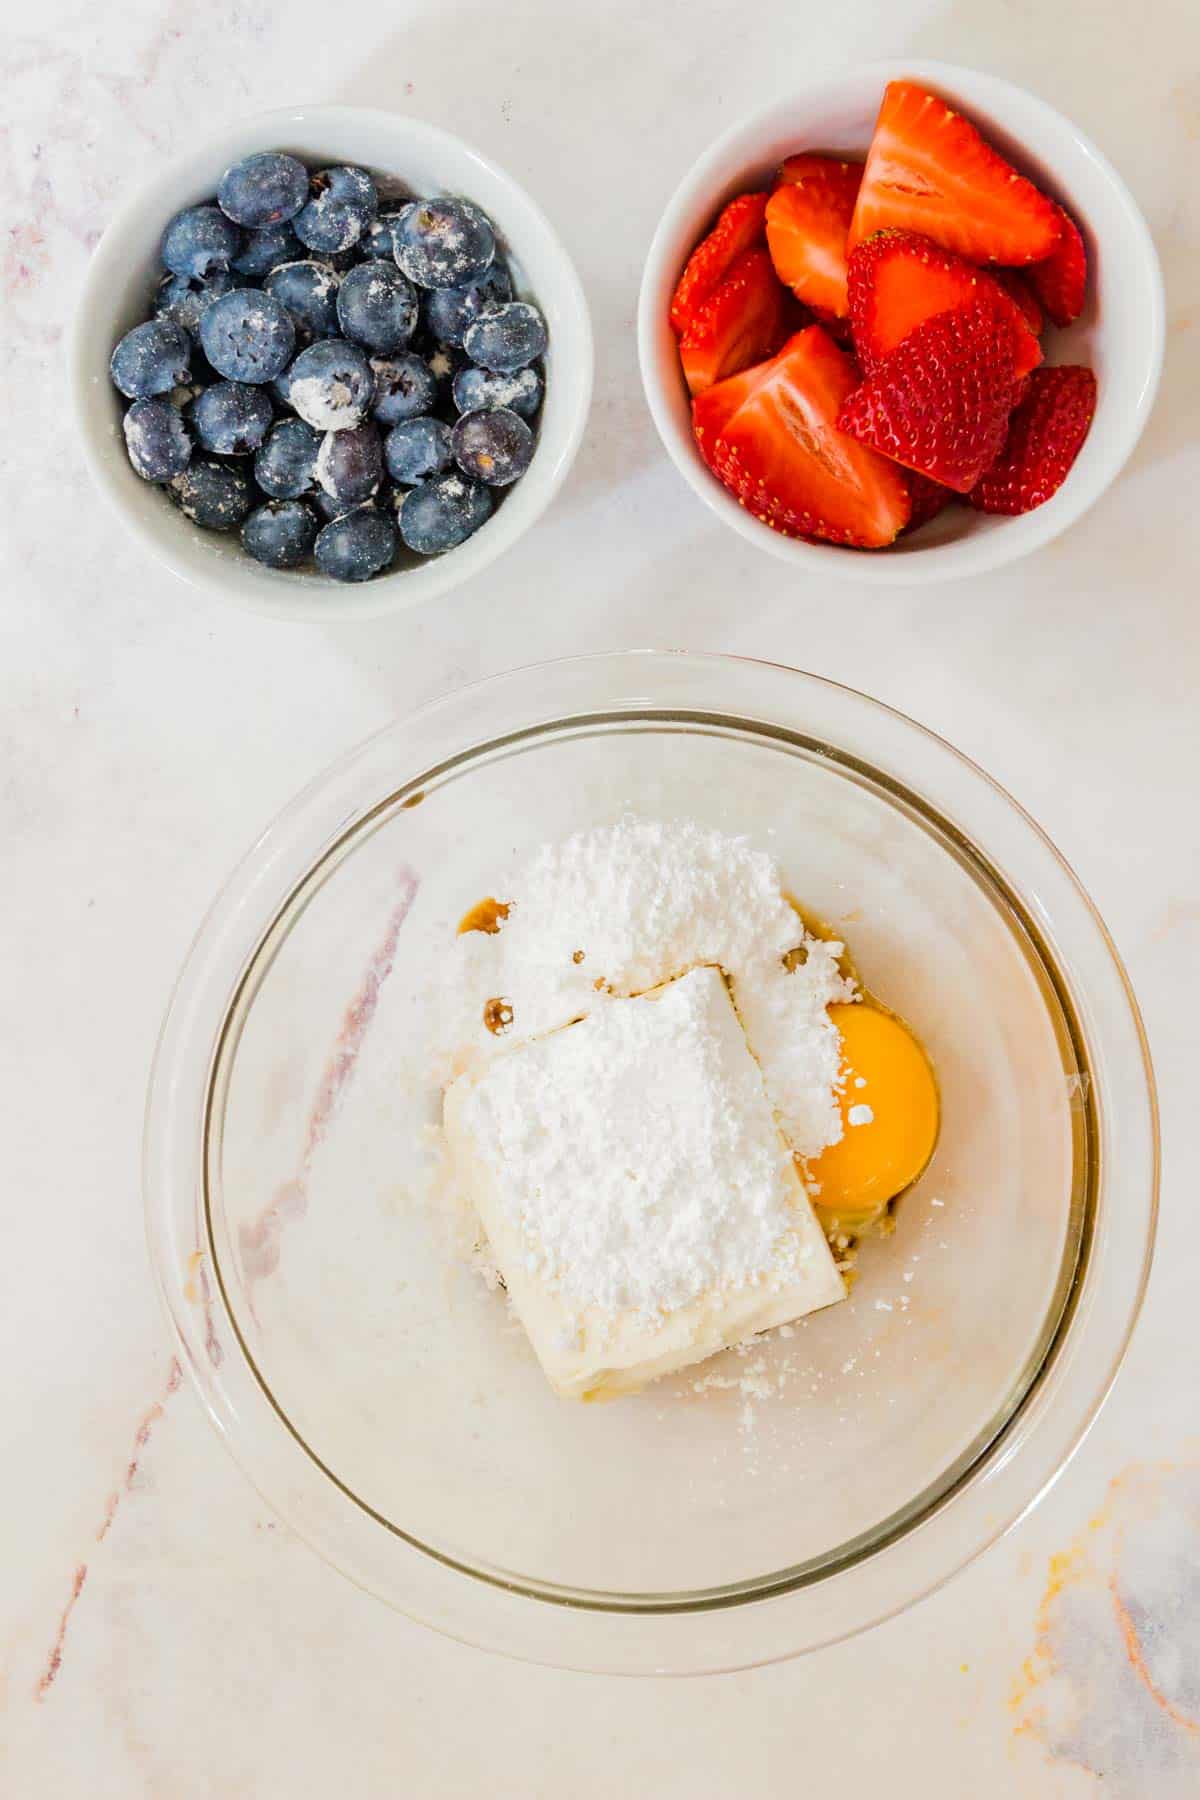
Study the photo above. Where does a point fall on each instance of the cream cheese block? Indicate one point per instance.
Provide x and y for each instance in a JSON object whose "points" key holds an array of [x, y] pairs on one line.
{"points": [[637, 1195]]}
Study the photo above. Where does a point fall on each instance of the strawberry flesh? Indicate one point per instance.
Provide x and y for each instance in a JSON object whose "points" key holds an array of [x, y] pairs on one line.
{"points": [[1017, 287], [929, 170], [846, 170], [1045, 436], [939, 403], [1060, 281], [770, 435], [927, 497], [741, 323], [808, 217], [739, 228], [898, 279]]}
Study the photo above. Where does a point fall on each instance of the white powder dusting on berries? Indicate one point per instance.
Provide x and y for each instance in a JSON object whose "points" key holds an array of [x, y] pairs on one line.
{"points": [[505, 390], [619, 909], [324, 279], [326, 405]]}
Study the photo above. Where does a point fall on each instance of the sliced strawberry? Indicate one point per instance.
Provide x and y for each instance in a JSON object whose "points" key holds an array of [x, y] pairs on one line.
{"points": [[1044, 438], [927, 497], [840, 330], [808, 217], [940, 402], [898, 279], [770, 435], [1017, 287], [740, 324], [928, 170], [1059, 282], [739, 228], [844, 169]]}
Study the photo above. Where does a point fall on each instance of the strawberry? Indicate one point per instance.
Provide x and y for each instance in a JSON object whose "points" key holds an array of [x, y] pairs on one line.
{"points": [[740, 324], [927, 497], [939, 403], [808, 217], [1059, 282], [770, 435], [1044, 438], [1017, 287], [839, 169], [928, 170], [898, 279], [739, 228]]}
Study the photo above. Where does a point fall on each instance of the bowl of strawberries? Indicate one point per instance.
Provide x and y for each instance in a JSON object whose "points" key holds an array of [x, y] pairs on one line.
{"points": [[910, 309]]}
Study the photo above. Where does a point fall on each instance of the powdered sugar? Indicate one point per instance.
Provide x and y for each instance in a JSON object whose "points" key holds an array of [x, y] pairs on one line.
{"points": [[324, 279], [326, 405], [638, 1156], [620, 909]]}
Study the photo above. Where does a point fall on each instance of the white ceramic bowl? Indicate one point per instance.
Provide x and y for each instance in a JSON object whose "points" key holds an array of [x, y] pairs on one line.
{"points": [[1120, 333], [425, 159]]}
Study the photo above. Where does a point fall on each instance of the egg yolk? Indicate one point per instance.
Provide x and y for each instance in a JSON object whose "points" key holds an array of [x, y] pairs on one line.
{"points": [[889, 1108]]}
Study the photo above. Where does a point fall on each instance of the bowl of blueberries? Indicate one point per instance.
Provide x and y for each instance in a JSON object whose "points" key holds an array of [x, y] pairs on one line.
{"points": [[331, 363]]}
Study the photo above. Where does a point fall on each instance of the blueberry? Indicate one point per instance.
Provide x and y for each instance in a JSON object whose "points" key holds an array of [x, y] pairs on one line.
{"points": [[200, 240], [448, 311], [343, 204], [247, 336], [377, 240], [331, 509], [157, 440], [263, 190], [231, 419], [280, 390], [215, 495], [151, 359], [286, 466], [405, 387], [331, 385], [186, 298], [356, 546], [443, 512], [281, 533], [506, 338], [264, 250], [521, 391], [202, 373], [494, 444], [377, 307], [416, 449], [350, 463], [445, 361], [308, 292], [442, 243]]}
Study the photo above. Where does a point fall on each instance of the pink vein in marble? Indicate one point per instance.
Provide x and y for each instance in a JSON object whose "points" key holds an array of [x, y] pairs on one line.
{"points": [[54, 1661], [141, 1438], [259, 1242]]}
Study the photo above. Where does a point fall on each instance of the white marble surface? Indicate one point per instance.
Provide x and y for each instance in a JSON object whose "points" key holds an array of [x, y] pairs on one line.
{"points": [[149, 735]]}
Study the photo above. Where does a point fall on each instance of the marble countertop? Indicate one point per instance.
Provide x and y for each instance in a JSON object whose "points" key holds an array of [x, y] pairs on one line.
{"points": [[160, 1633]]}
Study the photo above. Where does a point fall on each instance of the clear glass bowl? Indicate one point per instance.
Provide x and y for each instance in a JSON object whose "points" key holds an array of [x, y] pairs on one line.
{"points": [[380, 1397]]}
